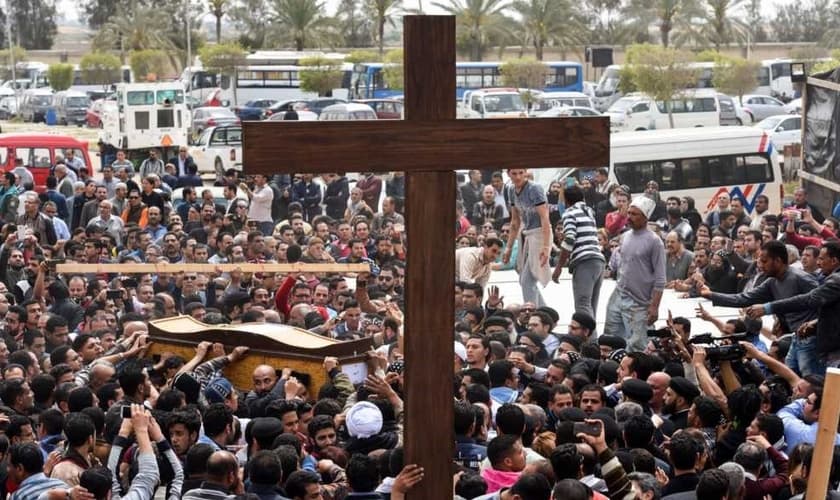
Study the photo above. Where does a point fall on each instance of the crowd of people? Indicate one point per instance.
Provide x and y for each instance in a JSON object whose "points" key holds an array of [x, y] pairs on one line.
{"points": [[638, 407], [628, 412]]}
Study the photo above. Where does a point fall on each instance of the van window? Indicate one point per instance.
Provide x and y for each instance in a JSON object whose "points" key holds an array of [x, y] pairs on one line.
{"points": [[4, 155], [141, 98], [641, 107], [692, 173], [34, 157], [755, 168]]}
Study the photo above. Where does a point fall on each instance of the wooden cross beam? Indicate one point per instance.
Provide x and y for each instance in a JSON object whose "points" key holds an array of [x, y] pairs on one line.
{"points": [[165, 268], [428, 146]]}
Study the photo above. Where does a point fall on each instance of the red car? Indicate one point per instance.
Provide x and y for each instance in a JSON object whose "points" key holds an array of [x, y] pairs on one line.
{"points": [[37, 153], [385, 109], [93, 116]]}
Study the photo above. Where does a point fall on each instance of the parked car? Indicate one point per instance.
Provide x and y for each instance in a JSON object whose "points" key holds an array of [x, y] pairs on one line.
{"points": [[759, 107], [8, 107], [253, 110], [794, 107], [347, 111], [93, 115], [315, 105], [218, 195], [204, 118], [385, 109], [71, 107], [303, 116], [569, 111], [218, 149], [783, 130], [728, 111], [34, 105]]}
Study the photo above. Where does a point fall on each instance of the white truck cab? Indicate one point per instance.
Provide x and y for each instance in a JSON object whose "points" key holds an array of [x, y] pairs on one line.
{"points": [[493, 103], [146, 115]]}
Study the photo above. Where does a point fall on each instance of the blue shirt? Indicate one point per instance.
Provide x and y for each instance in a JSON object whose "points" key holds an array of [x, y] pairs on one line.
{"points": [[526, 201], [33, 486], [206, 440], [796, 430]]}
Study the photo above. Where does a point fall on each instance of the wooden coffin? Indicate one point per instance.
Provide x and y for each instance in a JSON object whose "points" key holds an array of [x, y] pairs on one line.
{"points": [[280, 346]]}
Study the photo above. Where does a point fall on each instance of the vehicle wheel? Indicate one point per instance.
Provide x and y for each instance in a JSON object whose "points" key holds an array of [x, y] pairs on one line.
{"points": [[738, 122], [63, 122], [641, 129], [220, 168]]}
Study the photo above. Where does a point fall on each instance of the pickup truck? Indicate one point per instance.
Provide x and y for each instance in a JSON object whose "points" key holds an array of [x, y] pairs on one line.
{"points": [[218, 149]]}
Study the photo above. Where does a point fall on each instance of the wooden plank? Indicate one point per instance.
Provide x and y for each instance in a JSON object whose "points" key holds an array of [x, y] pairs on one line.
{"points": [[427, 145], [210, 268], [429, 47], [824, 84], [824, 448]]}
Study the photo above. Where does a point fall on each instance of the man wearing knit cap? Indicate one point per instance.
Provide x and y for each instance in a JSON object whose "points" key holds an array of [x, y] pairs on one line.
{"points": [[610, 343], [582, 326], [641, 277], [678, 399]]}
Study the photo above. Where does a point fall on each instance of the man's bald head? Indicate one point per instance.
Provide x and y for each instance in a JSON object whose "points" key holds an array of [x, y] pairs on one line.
{"points": [[134, 326], [222, 468], [298, 313], [265, 378]]}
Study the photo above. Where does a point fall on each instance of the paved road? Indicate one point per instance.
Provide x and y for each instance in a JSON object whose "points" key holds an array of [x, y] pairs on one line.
{"points": [[559, 296]]}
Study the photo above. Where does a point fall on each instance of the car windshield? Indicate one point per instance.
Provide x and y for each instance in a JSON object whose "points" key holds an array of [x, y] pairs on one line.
{"points": [[503, 103], [769, 123], [42, 100], [621, 105], [221, 113], [78, 102]]}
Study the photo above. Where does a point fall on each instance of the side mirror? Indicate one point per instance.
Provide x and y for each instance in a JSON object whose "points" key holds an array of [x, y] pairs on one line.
{"points": [[225, 103]]}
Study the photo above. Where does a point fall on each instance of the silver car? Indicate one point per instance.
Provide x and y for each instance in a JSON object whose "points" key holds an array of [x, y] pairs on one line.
{"points": [[759, 107], [204, 118]]}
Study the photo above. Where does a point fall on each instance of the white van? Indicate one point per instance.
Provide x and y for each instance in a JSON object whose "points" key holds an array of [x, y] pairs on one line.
{"points": [[493, 103], [347, 111], [701, 162], [548, 100], [694, 108]]}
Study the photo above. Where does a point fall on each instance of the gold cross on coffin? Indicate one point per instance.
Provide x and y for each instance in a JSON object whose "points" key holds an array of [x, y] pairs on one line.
{"points": [[428, 145]]}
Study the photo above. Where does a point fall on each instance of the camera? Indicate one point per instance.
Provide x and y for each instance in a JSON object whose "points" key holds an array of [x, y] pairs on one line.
{"points": [[113, 294], [732, 352], [661, 333], [126, 411], [718, 351]]}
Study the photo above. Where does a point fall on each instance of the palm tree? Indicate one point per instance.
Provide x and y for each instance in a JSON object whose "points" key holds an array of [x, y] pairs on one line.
{"points": [[301, 23], [478, 21], [218, 8], [668, 15], [546, 22], [383, 12], [723, 27], [136, 27]]}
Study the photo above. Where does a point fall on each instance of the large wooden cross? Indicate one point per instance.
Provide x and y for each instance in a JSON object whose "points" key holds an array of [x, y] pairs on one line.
{"points": [[428, 145]]}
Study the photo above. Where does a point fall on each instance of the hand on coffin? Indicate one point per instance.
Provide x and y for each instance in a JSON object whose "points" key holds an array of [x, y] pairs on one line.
{"points": [[380, 387], [238, 353], [376, 361], [202, 348]]}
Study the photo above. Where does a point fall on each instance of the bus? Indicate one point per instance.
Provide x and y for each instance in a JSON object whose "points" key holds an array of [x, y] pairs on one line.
{"points": [[703, 163], [773, 79], [263, 75], [563, 76]]}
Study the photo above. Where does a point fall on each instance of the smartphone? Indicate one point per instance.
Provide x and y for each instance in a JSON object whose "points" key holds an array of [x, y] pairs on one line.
{"points": [[113, 294], [570, 181], [126, 411], [129, 282], [587, 428]]}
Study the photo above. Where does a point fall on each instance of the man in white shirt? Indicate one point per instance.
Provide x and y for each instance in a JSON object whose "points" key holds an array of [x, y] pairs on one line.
{"points": [[109, 224], [261, 198], [473, 264]]}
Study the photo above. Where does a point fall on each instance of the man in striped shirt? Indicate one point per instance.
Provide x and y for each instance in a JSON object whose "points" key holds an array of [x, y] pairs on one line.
{"points": [[26, 468], [580, 248]]}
